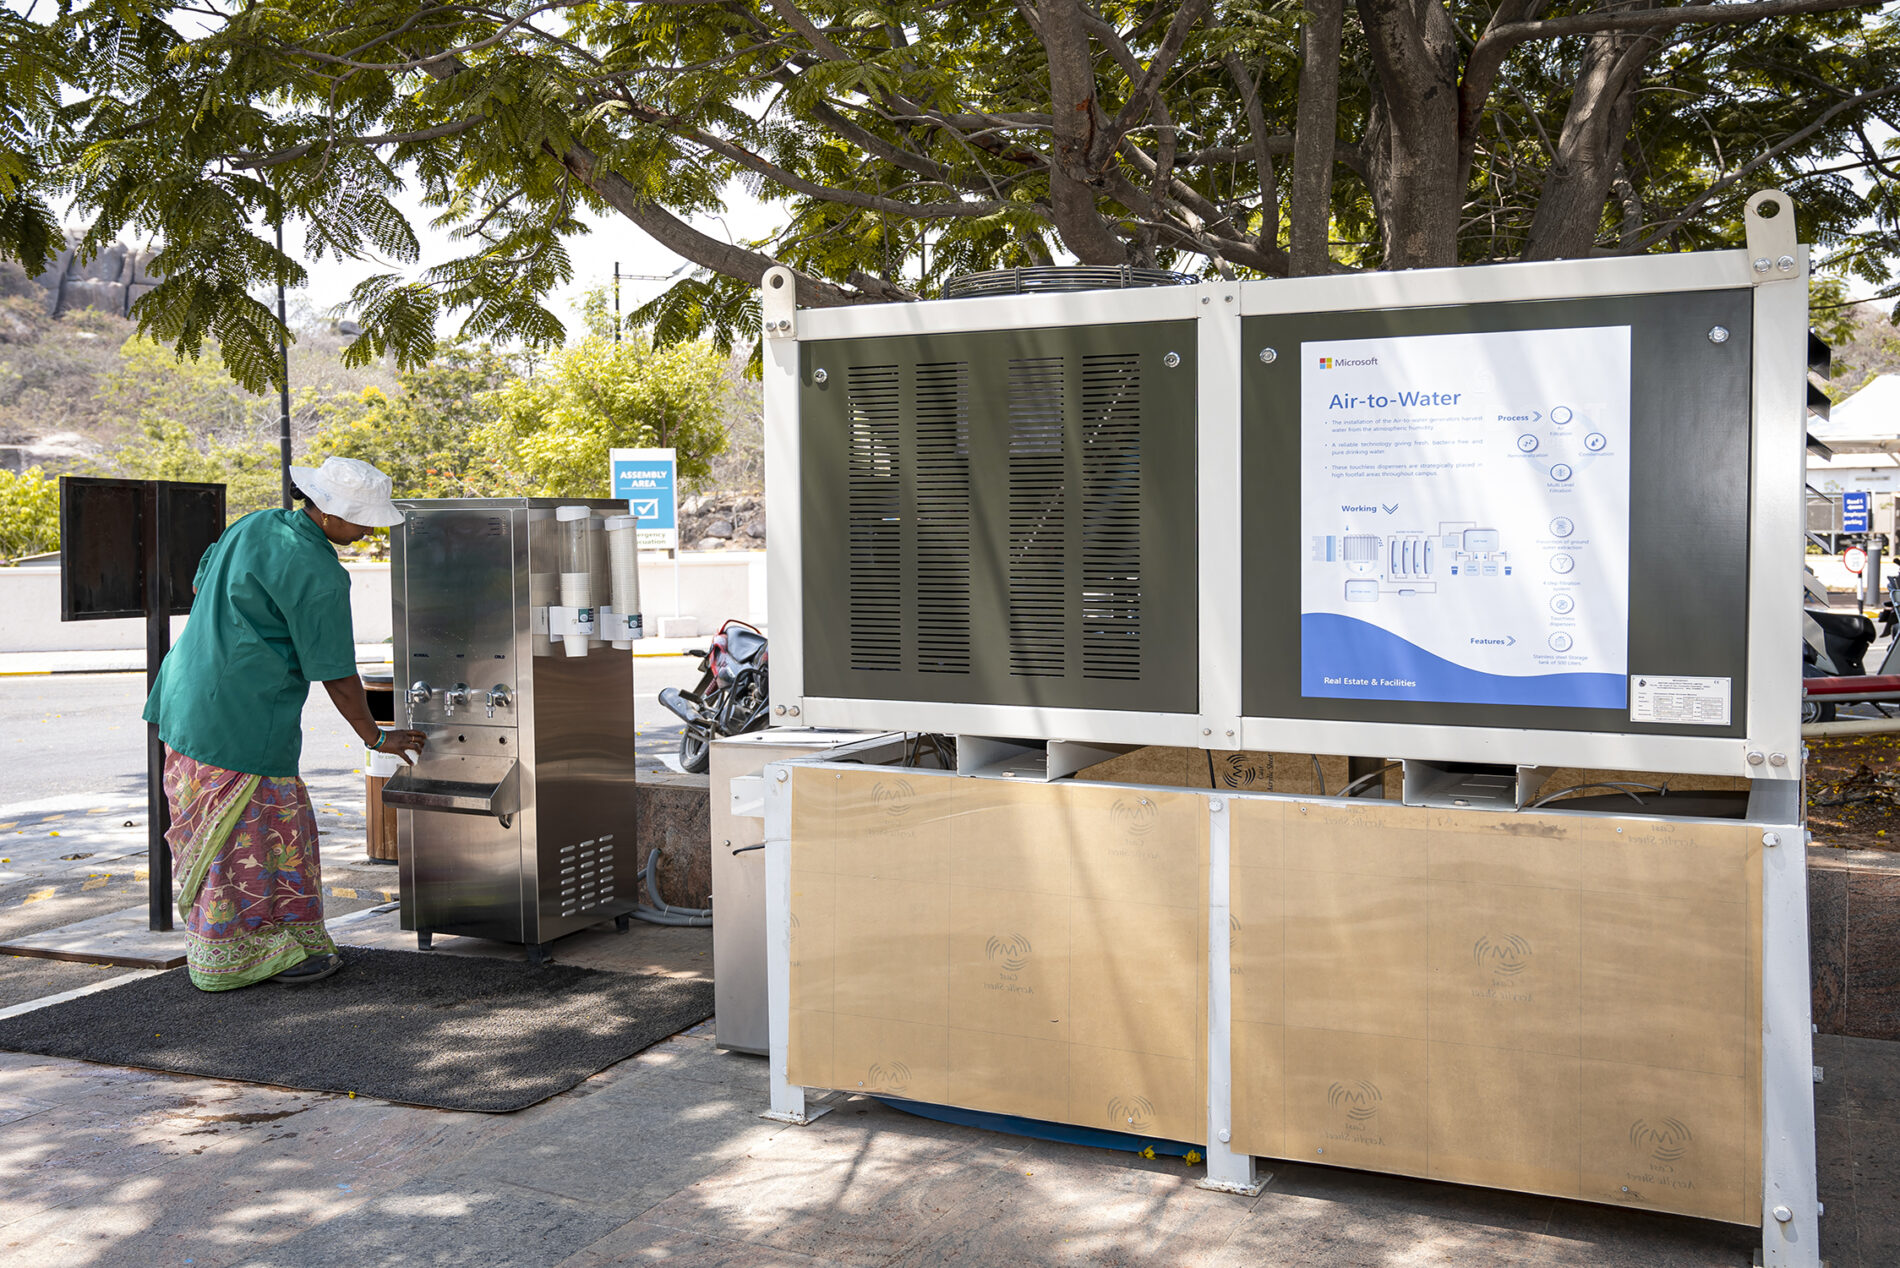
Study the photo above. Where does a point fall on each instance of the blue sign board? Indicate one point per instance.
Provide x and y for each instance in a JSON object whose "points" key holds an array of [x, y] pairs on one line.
{"points": [[1856, 511], [648, 480]]}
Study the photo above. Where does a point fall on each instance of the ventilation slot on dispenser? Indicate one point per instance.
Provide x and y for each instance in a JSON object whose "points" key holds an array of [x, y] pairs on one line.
{"points": [[941, 431], [875, 507]]}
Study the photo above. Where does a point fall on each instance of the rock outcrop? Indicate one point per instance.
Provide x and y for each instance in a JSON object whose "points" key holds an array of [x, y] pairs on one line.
{"points": [[111, 281]]}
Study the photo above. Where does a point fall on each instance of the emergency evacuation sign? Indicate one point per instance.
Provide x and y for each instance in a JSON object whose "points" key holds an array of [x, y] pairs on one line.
{"points": [[648, 480]]}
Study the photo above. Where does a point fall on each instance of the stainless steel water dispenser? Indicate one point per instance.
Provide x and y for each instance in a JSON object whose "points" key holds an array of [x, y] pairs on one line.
{"points": [[517, 822]]}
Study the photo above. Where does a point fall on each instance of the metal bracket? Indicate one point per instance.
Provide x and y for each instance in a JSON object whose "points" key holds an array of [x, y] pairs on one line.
{"points": [[1773, 255], [778, 303]]}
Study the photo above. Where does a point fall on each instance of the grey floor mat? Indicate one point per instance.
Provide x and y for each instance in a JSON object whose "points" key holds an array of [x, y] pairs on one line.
{"points": [[453, 1032]]}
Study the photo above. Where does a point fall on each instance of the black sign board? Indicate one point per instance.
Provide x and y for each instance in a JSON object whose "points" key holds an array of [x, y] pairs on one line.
{"points": [[130, 548], [107, 531]]}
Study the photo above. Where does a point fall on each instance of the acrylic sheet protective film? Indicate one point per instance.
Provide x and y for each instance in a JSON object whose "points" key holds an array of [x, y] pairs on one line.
{"points": [[1549, 1003], [1028, 949]]}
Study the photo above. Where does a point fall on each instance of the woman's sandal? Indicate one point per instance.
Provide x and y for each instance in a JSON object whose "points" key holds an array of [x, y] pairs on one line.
{"points": [[314, 969]]}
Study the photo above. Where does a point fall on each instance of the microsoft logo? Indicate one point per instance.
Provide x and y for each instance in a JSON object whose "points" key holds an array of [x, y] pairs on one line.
{"points": [[1325, 363]]}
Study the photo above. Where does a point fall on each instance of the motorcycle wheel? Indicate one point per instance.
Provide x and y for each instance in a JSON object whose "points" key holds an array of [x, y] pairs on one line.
{"points": [[1817, 711], [696, 748]]}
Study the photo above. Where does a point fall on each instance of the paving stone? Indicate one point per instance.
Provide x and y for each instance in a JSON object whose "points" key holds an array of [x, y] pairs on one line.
{"points": [[643, 1243], [1059, 1205], [442, 1224], [861, 1201], [1872, 1070]]}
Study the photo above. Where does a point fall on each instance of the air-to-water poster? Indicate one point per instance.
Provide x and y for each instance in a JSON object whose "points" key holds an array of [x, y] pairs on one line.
{"points": [[1464, 503]]}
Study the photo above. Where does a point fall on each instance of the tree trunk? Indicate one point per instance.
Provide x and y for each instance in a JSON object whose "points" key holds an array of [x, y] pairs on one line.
{"points": [[1310, 206], [1412, 131], [1076, 120], [1589, 150]]}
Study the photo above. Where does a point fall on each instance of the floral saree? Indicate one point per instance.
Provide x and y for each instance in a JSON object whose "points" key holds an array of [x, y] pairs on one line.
{"points": [[244, 850]]}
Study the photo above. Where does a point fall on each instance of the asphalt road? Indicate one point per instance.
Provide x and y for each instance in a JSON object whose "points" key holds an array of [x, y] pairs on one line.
{"points": [[67, 734]]}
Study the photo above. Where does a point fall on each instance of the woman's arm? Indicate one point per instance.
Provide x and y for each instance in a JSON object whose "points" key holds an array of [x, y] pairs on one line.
{"points": [[352, 702]]}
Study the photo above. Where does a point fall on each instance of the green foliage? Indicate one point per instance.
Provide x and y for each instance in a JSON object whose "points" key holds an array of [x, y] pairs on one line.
{"points": [[169, 449], [555, 429], [29, 513], [904, 144], [427, 436]]}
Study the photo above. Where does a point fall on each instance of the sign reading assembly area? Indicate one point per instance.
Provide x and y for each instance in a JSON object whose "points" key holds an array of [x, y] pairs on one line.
{"points": [[1465, 500]]}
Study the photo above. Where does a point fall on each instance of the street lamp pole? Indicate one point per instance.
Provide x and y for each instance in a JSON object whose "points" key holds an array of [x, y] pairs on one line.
{"points": [[283, 392]]}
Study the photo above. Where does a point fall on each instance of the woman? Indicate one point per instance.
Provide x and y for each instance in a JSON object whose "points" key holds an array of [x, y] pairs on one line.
{"points": [[272, 615]]}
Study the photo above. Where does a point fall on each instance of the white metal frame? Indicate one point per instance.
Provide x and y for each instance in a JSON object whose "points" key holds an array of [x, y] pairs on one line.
{"points": [[1769, 753], [1770, 711]]}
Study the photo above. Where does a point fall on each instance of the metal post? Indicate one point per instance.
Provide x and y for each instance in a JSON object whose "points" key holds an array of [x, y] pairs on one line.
{"points": [[283, 391], [616, 303], [158, 641], [1870, 578]]}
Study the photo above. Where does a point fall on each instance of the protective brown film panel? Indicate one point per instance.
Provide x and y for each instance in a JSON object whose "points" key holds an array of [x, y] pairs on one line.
{"points": [[1685, 860], [896, 1058], [1664, 982], [1372, 839], [1016, 837], [893, 950], [1009, 1074], [1475, 848], [1666, 1140], [808, 1050], [1356, 953], [1135, 978], [1504, 966], [1356, 1100], [1137, 1092], [814, 938], [1510, 1120], [1259, 1089], [814, 841], [1138, 845], [1009, 963], [984, 931], [1256, 941], [899, 831]]}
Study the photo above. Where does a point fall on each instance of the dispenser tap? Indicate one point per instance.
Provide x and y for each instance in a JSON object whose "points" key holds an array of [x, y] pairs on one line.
{"points": [[458, 694], [498, 695], [419, 693]]}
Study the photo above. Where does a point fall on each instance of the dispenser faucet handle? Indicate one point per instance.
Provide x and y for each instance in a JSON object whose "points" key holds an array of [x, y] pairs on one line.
{"points": [[498, 695], [458, 694], [420, 692]]}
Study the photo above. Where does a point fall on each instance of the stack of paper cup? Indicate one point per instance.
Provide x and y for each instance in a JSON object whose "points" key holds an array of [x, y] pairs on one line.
{"points": [[623, 553]]}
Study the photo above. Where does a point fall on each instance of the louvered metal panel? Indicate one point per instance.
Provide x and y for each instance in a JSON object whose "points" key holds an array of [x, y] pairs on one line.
{"points": [[1002, 517]]}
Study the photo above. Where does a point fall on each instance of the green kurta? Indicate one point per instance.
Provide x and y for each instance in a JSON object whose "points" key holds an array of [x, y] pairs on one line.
{"points": [[272, 616]]}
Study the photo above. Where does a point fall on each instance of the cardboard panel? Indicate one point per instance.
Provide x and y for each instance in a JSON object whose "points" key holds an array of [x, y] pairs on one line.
{"points": [[1032, 949]]}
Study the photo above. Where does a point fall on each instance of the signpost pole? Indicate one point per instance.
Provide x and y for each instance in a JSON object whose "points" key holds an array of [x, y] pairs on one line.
{"points": [[158, 641]]}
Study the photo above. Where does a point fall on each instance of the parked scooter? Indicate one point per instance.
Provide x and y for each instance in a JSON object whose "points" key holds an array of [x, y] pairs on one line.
{"points": [[1845, 638], [732, 697]]}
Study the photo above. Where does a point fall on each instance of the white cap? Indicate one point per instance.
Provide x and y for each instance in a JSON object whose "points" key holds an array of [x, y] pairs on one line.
{"points": [[565, 514], [349, 489], [615, 523]]}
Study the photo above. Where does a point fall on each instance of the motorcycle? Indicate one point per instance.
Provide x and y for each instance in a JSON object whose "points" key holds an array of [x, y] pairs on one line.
{"points": [[732, 698]]}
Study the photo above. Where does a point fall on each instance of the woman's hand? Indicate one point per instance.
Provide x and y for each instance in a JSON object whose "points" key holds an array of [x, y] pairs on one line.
{"points": [[403, 743]]}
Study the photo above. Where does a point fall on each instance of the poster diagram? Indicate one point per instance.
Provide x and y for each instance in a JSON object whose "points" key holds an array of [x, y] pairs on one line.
{"points": [[1464, 506]]}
